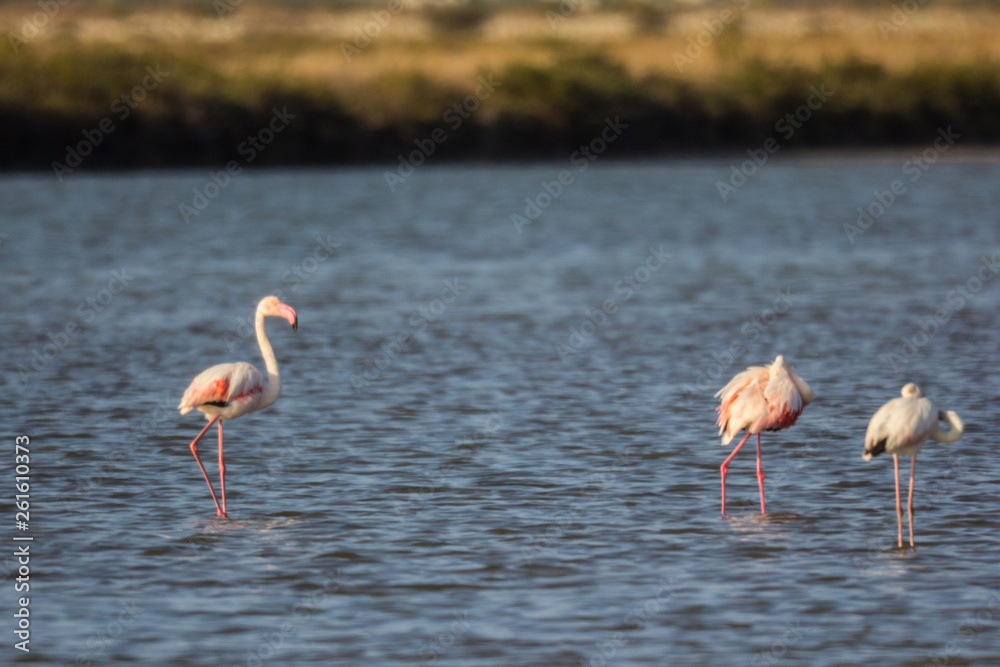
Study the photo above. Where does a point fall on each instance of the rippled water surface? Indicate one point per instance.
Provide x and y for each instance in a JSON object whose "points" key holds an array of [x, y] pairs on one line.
{"points": [[531, 476]]}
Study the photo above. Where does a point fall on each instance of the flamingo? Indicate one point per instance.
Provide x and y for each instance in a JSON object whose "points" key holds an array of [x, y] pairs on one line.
{"points": [[227, 391], [900, 427], [761, 398]]}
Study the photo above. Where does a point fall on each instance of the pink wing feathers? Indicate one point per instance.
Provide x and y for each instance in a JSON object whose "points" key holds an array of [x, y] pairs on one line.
{"points": [[761, 398], [222, 384], [742, 401], [784, 403]]}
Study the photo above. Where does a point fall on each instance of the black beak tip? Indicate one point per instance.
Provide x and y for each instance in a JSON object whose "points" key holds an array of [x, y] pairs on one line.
{"points": [[295, 324]]}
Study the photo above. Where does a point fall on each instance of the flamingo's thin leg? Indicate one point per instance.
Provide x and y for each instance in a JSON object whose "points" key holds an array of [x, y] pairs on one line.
{"points": [[222, 472], [899, 509], [760, 476], [725, 464], [194, 450], [909, 500]]}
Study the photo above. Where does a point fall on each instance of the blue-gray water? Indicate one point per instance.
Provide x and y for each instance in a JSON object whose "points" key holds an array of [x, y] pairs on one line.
{"points": [[524, 481]]}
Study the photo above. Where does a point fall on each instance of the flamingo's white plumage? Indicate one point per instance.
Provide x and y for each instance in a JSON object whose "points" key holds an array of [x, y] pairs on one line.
{"points": [[227, 391], [761, 398], [901, 427]]}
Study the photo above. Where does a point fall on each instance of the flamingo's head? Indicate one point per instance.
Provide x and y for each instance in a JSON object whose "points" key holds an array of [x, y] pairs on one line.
{"points": [[910, 390], [271, 306]]}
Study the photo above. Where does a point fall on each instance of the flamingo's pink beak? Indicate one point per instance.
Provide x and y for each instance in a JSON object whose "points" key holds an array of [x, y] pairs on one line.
{"points": [[289, 314]]}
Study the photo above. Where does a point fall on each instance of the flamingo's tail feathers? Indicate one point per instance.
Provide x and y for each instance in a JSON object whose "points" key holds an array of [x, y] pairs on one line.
{"points": [[874, 448], [723, 423]]}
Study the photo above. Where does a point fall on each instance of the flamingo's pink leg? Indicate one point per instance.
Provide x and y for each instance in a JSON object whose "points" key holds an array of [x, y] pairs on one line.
{"points": [[909, 500], [725, 465], [899, 509], [194, 450], [222, 473], [760, 476]]}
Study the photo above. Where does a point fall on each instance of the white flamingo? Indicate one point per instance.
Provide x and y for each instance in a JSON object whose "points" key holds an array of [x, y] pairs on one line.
{"points": [[900, 427], [761, 398], [227, 391]]}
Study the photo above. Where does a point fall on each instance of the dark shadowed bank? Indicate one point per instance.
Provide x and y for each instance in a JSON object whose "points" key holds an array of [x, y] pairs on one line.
{"points": [[189, 115]]}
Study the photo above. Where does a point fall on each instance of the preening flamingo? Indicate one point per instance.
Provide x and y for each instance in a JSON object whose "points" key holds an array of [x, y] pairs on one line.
{"points": [[227, 391], [761, 398], [900, 427]]}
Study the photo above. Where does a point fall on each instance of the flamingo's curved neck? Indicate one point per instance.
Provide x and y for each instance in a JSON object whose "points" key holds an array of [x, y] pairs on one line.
{"points": [[273, 389], [953, 433]]}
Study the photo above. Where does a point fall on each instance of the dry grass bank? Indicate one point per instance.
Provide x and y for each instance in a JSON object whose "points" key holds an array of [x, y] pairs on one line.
{"points": [[695, 77]]}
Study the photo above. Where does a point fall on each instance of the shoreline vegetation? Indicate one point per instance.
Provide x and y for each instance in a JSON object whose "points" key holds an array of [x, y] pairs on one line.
{"points": [[97, 85]]}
